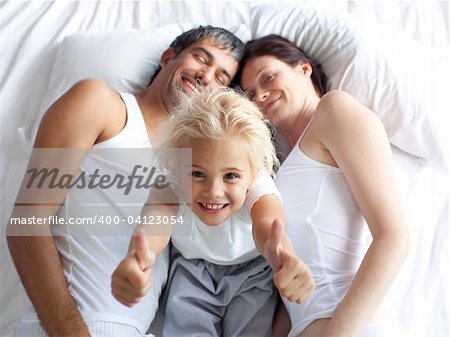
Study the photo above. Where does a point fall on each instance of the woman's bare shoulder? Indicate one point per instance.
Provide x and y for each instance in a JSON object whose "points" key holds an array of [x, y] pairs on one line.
{"points": [[340, 116], [338, 106]]}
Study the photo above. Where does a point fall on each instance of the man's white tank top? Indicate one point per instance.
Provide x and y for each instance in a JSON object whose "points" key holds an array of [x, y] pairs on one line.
{"points": [[327, 230], [91, 251]]}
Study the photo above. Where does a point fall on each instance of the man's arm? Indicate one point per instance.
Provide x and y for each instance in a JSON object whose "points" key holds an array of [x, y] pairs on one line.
{"points": [[78, 119]]}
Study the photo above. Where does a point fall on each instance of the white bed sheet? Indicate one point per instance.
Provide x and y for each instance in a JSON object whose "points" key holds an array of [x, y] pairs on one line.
{"points": [[30, 33]]}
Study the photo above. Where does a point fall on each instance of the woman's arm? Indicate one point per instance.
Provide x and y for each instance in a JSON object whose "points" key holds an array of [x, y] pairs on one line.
{"points": [[357, 142], [291, 276]]}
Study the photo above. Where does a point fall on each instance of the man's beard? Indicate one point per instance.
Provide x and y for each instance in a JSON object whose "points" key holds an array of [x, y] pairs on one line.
{"points": [[176, 91]]}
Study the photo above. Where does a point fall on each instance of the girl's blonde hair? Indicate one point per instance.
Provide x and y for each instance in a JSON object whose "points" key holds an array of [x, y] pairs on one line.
{"points": [[216, 115]]}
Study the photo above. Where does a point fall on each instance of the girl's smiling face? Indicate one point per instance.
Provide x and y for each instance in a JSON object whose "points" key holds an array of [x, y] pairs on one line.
{"points": [[218, 179]]}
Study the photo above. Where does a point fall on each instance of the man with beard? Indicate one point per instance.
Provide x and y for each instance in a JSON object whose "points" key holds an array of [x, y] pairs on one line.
{"points": [[67, 277]]}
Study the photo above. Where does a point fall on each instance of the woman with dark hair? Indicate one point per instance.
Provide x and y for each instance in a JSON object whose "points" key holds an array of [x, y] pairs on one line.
{"points": [[344, 216]]}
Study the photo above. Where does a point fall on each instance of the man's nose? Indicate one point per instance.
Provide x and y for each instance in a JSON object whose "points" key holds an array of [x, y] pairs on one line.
{"points": [[205, 76]]}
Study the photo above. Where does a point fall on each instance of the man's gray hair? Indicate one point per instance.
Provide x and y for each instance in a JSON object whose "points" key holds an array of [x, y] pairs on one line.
{"points": [[222, 37]]}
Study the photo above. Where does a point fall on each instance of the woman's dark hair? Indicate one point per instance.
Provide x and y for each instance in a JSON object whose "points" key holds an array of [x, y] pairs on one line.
{"points": [[284, 50]]}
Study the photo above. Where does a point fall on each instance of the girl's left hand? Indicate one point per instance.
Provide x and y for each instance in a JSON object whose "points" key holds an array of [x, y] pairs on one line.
{"points": [[291, 276]]}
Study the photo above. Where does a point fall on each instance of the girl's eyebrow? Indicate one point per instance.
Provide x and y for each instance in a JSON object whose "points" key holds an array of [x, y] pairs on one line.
{"points": [[196, 166], [233, 169], [225, 169]]}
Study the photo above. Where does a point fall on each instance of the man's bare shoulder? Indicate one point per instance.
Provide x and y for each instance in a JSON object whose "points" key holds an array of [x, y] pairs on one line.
{"points": [[92, 91], [90, 110]]}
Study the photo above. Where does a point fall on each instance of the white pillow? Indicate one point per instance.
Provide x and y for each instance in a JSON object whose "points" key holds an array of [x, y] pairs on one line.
{"points": [[392, 75], [126, 60]]}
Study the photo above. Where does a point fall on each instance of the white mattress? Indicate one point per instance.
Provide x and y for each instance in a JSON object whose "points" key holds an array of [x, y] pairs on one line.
{"points": [[32, 32]]}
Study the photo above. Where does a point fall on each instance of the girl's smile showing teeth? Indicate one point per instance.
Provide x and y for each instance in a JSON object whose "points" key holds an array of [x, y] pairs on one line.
{"points": [[212, 207]]}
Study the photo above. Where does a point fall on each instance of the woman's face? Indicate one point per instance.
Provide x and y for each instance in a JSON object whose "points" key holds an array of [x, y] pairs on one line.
{"points": [[276, 87]]}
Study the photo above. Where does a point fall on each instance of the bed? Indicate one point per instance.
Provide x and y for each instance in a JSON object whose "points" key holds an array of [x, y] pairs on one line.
{"points": [[393, 56]]}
